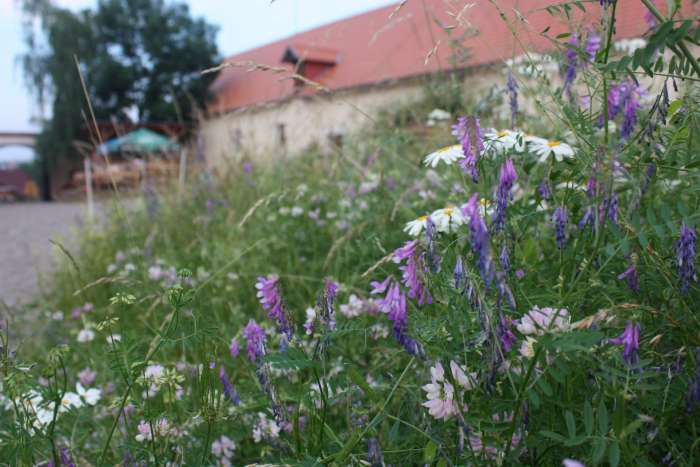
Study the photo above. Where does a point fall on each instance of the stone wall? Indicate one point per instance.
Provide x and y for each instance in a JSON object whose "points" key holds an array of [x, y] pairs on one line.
{"points": [[279, 130]]}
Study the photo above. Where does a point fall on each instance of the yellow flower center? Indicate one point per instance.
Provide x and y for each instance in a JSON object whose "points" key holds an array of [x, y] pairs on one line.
{"points": [[503, 133], [445, 149], [553, 144], [448, 211], [422, 218]]}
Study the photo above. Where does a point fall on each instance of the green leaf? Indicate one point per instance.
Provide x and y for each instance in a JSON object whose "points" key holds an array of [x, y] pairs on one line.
{"points": [[576, 441], [643, 239], [693, 164], [429, 451], [534, 398], [603, 424], [570, 423], [544, 385], [292, 359], [674, 106], [356, 378], [553, 436], [598, 450], [614, 454], [588, 418]]}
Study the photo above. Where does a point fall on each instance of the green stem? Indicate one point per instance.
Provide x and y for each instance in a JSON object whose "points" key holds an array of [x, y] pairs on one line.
{"points": [[681, 44], [519, 400], [155, 346], [345, 452]]}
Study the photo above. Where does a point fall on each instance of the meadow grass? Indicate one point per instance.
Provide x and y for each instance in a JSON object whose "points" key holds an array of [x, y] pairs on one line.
{"points": [[543, 313]]}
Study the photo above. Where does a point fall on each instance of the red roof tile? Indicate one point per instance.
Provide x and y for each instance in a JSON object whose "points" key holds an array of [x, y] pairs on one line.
{"points": [[371, 48]]}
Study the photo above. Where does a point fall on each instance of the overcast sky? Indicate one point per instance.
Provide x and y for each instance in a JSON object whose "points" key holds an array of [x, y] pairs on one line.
{"points": [[243, 24]]}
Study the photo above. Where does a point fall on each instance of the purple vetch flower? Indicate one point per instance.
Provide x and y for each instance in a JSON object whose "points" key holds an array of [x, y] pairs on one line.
{"points": [[234, 348], [380, 287], [271, 300], [458, 273], [513, 98], [624, 97], [632, 277], [560, 221], [630, 339], [544, 191], [519, 273], [503, 193], [325, 303], [505, 333], [479, 238], [587, 218], [468, 132], [504, 290], [433, 256], [374, 453], [571, 63], [255, 340], [592, 187], [65, 458], [247, 167], [413, 272], [693, 397], [87, 376], [632, 105], [685, 251], [649, 173], [607, 3], [616, 96], [592, 45], [504, 259], [612, 208], [229, 391], [649, 17], [394, 305]]}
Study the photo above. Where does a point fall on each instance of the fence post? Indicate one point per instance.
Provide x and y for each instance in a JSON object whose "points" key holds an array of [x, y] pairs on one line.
{"points": [[87, 164], [183, 169]]}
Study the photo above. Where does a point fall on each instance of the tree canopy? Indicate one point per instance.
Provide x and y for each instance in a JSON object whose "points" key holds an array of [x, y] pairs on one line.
{"points": [[142, 55]]}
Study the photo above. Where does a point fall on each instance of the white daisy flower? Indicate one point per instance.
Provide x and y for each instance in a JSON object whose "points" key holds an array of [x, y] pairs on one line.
{"points": [[91, 396], [447, 219], [86, 335], [543, 148], [448, 155], [70, 400], [44, 416], [504, 140], [570, 186], [414, 228], [114, 338]]}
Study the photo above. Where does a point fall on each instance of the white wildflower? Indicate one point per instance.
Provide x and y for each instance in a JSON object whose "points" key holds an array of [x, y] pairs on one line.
{"points": [[86, 335], [448, 155]]}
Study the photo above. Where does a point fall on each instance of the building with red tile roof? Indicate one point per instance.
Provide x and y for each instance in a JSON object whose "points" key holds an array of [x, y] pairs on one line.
{"points": [[381, 49]]}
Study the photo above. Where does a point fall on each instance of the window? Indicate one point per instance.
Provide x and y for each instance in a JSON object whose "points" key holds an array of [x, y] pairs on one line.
{"points": [[281, 134]]}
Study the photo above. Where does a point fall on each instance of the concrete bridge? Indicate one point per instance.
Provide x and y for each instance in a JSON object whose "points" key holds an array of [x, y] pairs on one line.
{"points": [[18, 139]]}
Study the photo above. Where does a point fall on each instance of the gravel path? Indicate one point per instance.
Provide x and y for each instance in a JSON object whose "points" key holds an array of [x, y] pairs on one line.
{"points": [[25, 250]]}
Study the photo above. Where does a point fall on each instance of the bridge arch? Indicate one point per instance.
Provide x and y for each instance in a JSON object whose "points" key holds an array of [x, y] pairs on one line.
{"points": [[25, 139]]}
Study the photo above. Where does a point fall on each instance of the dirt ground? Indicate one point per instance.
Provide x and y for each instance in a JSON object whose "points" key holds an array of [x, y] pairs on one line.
{"points": [[25, 250]]}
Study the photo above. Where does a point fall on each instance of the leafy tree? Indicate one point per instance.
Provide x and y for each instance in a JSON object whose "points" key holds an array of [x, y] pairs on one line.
{"points": [[133, 54]]}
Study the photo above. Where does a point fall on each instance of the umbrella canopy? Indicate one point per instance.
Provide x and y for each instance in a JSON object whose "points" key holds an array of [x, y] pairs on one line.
{"points": [[141, 140]]}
